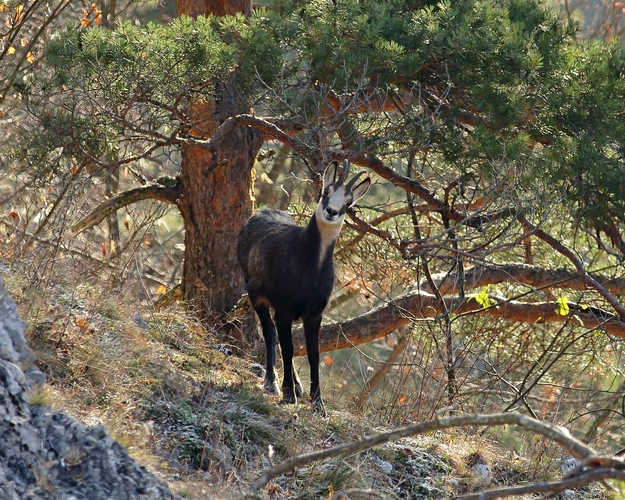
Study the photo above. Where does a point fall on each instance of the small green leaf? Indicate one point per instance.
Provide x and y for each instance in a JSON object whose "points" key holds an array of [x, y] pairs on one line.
{"points": [[482, 297], [563, 306]]}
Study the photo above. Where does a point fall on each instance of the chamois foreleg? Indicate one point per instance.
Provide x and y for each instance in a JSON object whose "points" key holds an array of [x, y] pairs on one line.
{"points": [[269, 334], [311, 332], [284, 324]]}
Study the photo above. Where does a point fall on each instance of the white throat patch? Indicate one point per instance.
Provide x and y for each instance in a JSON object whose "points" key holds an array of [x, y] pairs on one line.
{"points": [[329, 230]]}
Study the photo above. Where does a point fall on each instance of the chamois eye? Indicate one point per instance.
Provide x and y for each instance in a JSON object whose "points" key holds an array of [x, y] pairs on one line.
{"points": [[326, 192]]}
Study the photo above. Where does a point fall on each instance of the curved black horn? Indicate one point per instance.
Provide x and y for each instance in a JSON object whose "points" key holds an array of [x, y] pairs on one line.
{"points": [[344, 172], [353, 180]]}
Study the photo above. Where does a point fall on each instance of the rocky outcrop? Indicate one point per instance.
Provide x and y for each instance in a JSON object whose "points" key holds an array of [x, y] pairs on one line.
{"points": [[48, 455]]}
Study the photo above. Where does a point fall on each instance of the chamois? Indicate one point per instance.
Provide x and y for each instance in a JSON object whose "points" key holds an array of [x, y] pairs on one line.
{"points": [[291, 269]]}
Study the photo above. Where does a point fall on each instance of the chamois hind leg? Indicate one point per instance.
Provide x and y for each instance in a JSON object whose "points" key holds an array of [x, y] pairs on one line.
{"points": [[270, 385], [311, 331], [283, 324]]}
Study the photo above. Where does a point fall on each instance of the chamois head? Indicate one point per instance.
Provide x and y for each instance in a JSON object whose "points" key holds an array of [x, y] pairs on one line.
{"points": [[337, 196]]}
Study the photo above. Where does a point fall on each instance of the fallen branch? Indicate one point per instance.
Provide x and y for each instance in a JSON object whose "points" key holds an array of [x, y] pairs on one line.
{"points": [[587, 477], [558, 434]]}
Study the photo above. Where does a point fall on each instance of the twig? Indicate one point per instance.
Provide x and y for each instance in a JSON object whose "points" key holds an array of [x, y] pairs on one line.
{"points": [[588, 279], [589, 476], [532, 276], [383, 370]]}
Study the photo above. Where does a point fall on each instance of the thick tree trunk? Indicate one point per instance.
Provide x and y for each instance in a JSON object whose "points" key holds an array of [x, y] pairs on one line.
{"points": [[214, 204], [215, 199]]}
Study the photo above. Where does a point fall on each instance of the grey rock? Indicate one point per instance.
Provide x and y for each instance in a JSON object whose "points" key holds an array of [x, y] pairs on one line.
{"points": [[258, 370], [49, 455], [386, 467]]}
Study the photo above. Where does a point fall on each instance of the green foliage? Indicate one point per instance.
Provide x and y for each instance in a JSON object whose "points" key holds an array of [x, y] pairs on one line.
{"points": [[493, 106], [115, 93], [512, 69], [514, 64], [584, 112], [151, 62]]}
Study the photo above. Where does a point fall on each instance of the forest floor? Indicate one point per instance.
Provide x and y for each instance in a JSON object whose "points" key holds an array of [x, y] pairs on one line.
{"points": [[195, 414]]}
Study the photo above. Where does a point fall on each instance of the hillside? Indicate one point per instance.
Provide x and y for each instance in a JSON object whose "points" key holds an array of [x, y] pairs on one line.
{"points": [[194, 415]]}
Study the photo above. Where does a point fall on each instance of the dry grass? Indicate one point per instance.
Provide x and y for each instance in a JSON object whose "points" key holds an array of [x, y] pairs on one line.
{"points": [[198, 418]]}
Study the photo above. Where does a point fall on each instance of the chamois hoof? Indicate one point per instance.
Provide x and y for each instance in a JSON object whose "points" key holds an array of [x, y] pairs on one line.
{"points": [[319, 407], [288, 397], [271, 387]]}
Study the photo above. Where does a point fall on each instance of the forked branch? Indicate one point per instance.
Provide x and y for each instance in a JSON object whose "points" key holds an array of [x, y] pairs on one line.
{"points": [[588, 279]]}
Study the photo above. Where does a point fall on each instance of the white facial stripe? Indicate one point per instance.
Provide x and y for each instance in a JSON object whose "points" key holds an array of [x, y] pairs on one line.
{"points": [[330, 211], [336, 202]]}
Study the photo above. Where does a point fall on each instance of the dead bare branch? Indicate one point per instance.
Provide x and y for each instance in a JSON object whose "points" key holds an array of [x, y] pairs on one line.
{"points": [[558, 434], [587, 477]]}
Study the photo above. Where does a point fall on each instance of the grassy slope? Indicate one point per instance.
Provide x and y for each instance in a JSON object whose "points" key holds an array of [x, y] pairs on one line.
{"points": [[198, 417]]}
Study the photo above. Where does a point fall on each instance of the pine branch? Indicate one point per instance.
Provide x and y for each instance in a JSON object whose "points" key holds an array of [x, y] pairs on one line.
{"points": [[415, 305], [164, 188]]}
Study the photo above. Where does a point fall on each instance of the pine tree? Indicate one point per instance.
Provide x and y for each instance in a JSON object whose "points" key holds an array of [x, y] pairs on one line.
{"points": [[500, 127]]}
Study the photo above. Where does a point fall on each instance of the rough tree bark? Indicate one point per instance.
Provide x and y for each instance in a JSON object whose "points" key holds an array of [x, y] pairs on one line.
{"points": [[214, 203], [215, 193]]}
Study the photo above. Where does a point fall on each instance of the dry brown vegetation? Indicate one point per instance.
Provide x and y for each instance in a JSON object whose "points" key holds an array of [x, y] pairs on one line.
{"points": [[473, 283], [170, 393]]}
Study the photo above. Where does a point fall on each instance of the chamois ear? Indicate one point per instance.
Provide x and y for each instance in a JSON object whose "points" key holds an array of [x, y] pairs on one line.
{"points": [[360, 190], [329, 175]]}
